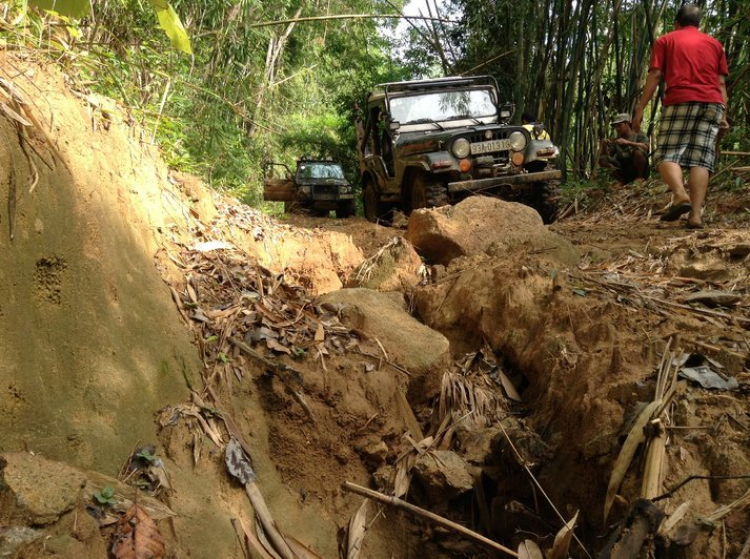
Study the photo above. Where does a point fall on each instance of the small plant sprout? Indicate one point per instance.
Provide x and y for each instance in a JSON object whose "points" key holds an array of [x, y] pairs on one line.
{"points": [[106, 496]]}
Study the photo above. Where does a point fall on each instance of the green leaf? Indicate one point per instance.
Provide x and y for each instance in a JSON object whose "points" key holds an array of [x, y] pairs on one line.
{"points": [[223, 357], [172, 26], [71, 8]]}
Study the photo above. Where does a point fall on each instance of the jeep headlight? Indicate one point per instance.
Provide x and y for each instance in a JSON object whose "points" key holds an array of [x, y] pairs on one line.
{"points": [[517, 141], [461, 148], [345, 189], [305, 190]]}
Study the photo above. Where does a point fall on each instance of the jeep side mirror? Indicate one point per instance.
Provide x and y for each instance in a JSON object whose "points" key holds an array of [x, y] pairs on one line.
{"points": [[394, 126]]}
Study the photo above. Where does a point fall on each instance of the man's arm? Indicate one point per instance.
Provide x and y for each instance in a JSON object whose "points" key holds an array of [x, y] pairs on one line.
{"points": [[639, 145], [652, 82], [724, 125]]}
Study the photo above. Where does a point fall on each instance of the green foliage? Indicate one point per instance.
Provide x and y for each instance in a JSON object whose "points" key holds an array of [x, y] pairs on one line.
{"points": [[172, 26], [70, 8], [106, 496]]}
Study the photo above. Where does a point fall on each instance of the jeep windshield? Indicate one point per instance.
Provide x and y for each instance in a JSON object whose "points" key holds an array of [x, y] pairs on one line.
{"points": [[316, 170], [439, 106]]}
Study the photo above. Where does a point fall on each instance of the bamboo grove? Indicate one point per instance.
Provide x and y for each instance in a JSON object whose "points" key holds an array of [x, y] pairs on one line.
{"points": [[273, 80]]}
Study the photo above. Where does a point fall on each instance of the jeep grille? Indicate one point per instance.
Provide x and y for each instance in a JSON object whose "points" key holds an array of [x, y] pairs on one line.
{"points": [[326, 191]]}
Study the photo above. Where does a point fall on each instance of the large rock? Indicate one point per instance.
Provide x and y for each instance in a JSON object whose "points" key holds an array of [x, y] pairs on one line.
{"points": [[37, 490], [484, 225], [383, 316], [442, 475], [395, 267]]}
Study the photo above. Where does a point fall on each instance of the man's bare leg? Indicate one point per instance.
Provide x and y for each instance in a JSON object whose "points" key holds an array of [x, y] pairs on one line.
{"points": [[698, 183], [671, 174]]}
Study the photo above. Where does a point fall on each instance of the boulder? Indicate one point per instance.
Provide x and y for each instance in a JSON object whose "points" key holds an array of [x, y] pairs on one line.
{"points": [[442, 475], [395, 267], [409, 343], [383, 316], [484, 225]]}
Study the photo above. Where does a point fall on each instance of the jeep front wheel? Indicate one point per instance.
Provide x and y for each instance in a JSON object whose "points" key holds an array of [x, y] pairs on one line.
{"points": [[370, 201], [547, 200], [425, 192]]}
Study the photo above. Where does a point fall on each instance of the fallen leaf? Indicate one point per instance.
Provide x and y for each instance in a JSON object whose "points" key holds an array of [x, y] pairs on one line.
{"points": [[357, 528], [562, 540], [635, 437], [529, 550], [137, 537]]}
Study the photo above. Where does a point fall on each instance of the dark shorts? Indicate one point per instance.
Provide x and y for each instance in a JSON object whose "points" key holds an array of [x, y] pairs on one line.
{"points": [[687, 134]]}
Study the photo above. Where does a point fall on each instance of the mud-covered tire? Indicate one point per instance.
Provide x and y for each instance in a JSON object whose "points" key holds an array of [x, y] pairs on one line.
{"points": [[370, 201], [547, 200], [375, 210], [345, 209], [424, 192]]}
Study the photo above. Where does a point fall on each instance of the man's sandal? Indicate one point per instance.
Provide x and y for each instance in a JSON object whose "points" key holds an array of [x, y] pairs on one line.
{"points": [[674, 213]]}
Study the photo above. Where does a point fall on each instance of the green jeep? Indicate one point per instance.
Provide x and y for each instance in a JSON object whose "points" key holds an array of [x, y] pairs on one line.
{"points": [[428, 143], [317, 186]]}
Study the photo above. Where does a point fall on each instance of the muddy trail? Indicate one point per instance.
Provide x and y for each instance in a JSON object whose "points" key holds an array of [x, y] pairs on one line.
{"points": [[184, 376]]}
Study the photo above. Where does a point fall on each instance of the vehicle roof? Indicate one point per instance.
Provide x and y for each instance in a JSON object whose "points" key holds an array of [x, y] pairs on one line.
{"points": [[434, 83]]}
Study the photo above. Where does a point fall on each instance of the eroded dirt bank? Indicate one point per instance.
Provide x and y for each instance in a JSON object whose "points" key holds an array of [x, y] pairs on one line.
{"points": [[144, 309]]}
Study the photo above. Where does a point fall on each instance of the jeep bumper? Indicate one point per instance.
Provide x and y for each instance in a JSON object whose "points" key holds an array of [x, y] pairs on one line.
{"points": [[510, 180]]}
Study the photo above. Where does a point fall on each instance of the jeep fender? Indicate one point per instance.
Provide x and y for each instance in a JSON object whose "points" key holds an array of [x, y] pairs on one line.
{"points": [[435, 162]]}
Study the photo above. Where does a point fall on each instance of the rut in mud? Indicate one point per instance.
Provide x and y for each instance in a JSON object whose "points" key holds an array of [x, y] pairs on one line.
{"points": [[477, 364]]}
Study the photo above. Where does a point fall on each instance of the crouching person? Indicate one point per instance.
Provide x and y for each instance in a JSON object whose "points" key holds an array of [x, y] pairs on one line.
{"points": [[627, 154]]}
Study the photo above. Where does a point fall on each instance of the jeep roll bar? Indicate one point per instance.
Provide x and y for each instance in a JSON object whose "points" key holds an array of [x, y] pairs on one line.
{"points": [[390, 87]]}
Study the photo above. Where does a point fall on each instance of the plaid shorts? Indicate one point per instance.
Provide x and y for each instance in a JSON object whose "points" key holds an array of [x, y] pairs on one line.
{"points": [[687, 134]]}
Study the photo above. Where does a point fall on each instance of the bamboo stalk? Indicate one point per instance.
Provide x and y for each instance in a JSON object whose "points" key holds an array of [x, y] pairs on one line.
{"points": [[398, 503], [652, 476], [264, 516]]}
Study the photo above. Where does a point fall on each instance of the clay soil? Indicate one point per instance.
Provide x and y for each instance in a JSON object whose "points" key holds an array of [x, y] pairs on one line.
{"points": [[120, 316]]}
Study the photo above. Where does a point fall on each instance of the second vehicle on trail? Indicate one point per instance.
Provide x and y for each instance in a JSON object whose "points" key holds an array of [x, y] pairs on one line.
{"points": [[317, 186], [427, 143]]}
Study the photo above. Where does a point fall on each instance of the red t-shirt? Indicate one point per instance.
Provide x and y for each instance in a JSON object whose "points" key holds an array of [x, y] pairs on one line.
{"points": [[691, 62]]}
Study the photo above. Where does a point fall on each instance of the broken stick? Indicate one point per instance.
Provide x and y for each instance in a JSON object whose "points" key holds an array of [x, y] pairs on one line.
{"points": [[399, 503]]}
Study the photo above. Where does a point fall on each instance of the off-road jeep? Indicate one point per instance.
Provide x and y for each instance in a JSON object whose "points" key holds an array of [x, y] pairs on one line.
{"points": [[317, 186], [431, 142]]}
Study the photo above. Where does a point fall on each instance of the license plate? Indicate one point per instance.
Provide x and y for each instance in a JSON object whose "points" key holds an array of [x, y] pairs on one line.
{"points": [[492, 145]]}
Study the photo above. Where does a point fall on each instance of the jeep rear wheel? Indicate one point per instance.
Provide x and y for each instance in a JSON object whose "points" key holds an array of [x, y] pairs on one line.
{"points": [[547, 200], [425, 192]]}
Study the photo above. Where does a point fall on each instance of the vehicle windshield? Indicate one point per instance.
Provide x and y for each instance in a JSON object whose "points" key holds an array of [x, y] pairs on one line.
{"points": [[443, 105], [320, 171]]}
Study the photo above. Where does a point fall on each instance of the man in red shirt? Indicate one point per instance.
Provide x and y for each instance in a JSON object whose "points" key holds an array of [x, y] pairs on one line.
{"points": [[694, 67]]}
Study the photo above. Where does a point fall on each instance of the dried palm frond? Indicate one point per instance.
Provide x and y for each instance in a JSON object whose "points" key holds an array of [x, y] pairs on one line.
{"points": [[471, 395], [366, 268]]}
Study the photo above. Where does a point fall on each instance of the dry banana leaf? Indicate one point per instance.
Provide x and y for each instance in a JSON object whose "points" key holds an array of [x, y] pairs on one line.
{"points": [[529, 550], [635, 437], [137, 537], [357, 527], [562, 540]]}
